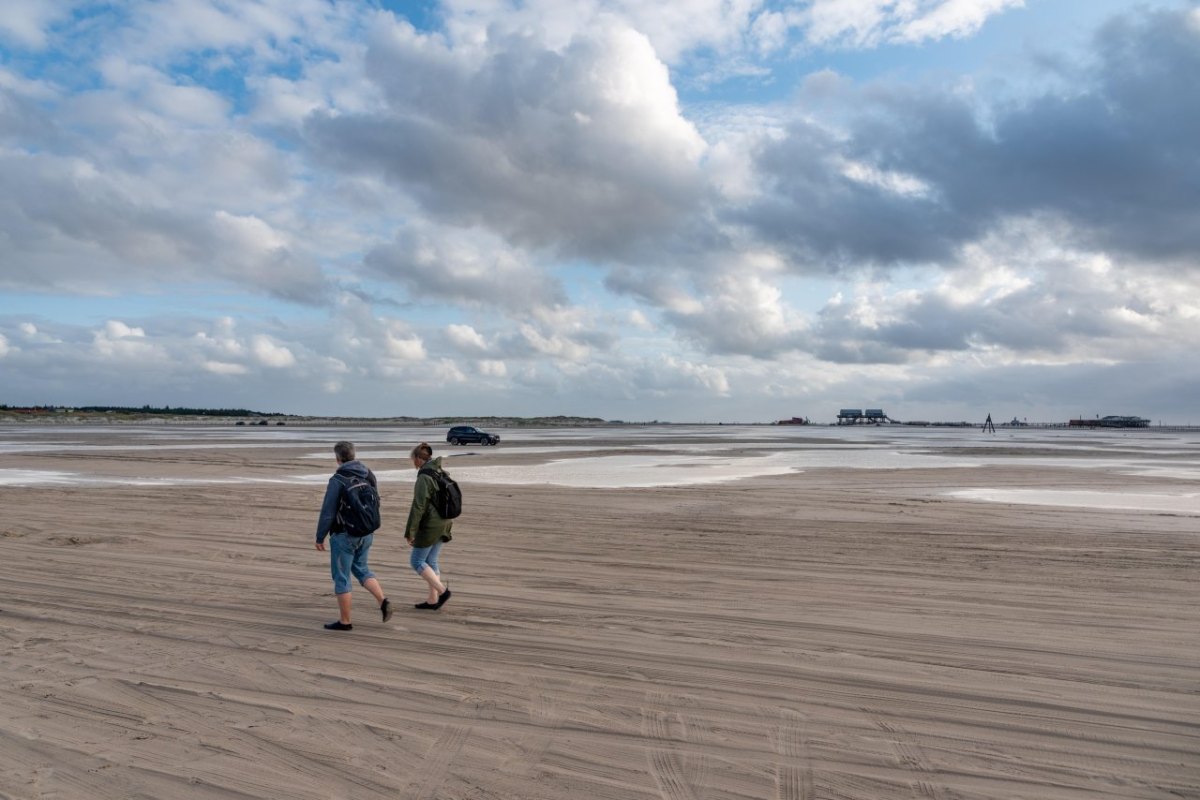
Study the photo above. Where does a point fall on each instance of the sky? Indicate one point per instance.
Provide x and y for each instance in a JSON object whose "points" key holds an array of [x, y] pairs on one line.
{"points": [[686, 210]]}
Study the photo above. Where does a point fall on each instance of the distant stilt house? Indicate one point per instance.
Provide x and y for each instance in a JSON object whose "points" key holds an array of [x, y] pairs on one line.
{"points": [[855, 416]]}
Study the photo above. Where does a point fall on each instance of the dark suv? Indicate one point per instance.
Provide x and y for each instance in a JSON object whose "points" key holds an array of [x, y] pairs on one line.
{"points": [[465, 434]]}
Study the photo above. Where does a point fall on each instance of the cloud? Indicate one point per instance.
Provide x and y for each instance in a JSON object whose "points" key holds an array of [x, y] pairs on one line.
{"points": [[710, 378], [25, 22], [674, 27], [403, 347], [225, 368], [1114, 161], [555, 346], [435, 264], [466, 338], [223, 342], [270, 353], [948, 18], [742, 314], [121, 343], [30, 333], [582, 151], [120, 168], [78, 225], [680, 30], [868, 23], [5, 349], [1021, 297], [492, 368]]}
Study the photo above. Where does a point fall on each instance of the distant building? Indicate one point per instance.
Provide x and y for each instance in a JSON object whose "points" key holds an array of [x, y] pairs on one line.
{"points": [[854, 416], [1111, 421]]}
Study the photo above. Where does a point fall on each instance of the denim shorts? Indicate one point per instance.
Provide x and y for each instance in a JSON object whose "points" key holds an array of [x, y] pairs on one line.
{"points": [[419, 557], [348, 555]]}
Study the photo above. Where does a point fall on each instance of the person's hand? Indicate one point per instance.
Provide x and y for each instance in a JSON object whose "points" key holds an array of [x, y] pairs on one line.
{"points": [[321, 546], [409, 540]]}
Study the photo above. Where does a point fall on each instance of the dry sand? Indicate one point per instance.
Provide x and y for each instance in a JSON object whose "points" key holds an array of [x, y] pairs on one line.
{"points": [[827, 634]]}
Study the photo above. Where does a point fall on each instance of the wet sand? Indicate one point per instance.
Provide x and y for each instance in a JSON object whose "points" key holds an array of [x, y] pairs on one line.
{"points": [[833, 633]]}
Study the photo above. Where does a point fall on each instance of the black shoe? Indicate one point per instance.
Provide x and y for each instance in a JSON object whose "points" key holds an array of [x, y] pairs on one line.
{"points": [[443, 597], [385, 608], [338, 625], [425, 606]]}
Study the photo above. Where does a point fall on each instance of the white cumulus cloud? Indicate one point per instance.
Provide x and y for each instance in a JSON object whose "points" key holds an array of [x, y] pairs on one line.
{"points": [[225, 368], [270, 353], [465, 337]]}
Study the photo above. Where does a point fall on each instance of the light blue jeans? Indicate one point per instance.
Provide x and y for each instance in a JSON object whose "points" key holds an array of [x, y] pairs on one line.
{"points": [[419, 557], [348, 554]]}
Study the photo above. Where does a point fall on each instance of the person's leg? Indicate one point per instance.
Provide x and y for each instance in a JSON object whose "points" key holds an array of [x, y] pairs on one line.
{"points": [[432, 574], [432, 558], [372, 586], [362, 571], [444, 593], [436, 587], [419, 560], [340, 559]]}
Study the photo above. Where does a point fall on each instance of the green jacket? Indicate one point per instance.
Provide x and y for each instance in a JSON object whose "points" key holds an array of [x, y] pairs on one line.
{"points": [[425, 525]]}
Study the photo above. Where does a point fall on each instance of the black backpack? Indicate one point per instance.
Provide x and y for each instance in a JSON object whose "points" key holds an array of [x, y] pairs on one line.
{"points": [[447, 500], [358, 507]]}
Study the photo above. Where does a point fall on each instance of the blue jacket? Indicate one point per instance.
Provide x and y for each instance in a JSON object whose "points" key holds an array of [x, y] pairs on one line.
{"points": [[328, 522]]}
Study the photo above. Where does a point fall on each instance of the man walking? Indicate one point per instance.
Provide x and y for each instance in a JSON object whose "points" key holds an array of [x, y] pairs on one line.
{"points": [[348, 498]]}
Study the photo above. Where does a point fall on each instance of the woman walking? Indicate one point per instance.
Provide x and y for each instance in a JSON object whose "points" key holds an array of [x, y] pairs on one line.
{"points": [[427, 531]]}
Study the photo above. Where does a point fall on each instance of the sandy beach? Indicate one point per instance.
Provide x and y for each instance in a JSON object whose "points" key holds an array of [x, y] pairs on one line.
{"points": [[826, 625]]}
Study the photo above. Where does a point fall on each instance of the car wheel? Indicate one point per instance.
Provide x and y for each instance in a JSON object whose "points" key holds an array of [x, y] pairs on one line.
{"points": [[454, 440]]}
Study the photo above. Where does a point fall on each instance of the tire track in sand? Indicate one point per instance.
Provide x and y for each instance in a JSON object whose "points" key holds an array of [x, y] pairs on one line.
{"points": [[547, 714], [793, 770], [438, 759], [912, 757], [666, 763]]}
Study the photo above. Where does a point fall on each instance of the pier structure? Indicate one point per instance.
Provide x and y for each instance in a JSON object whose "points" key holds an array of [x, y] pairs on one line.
{"points": [[1111, 421]]}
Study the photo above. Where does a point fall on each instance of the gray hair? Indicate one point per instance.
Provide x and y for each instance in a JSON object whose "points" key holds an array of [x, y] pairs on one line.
{"points": [[344, 451]]}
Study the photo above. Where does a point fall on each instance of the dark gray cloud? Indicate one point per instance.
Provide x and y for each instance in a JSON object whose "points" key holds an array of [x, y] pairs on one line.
{"points": [[828, 221], [1117, 160], [23, 119]]}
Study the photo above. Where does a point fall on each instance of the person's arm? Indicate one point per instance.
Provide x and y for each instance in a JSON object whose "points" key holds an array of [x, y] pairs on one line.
{"points": [[329, 509], [422, 492]]}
